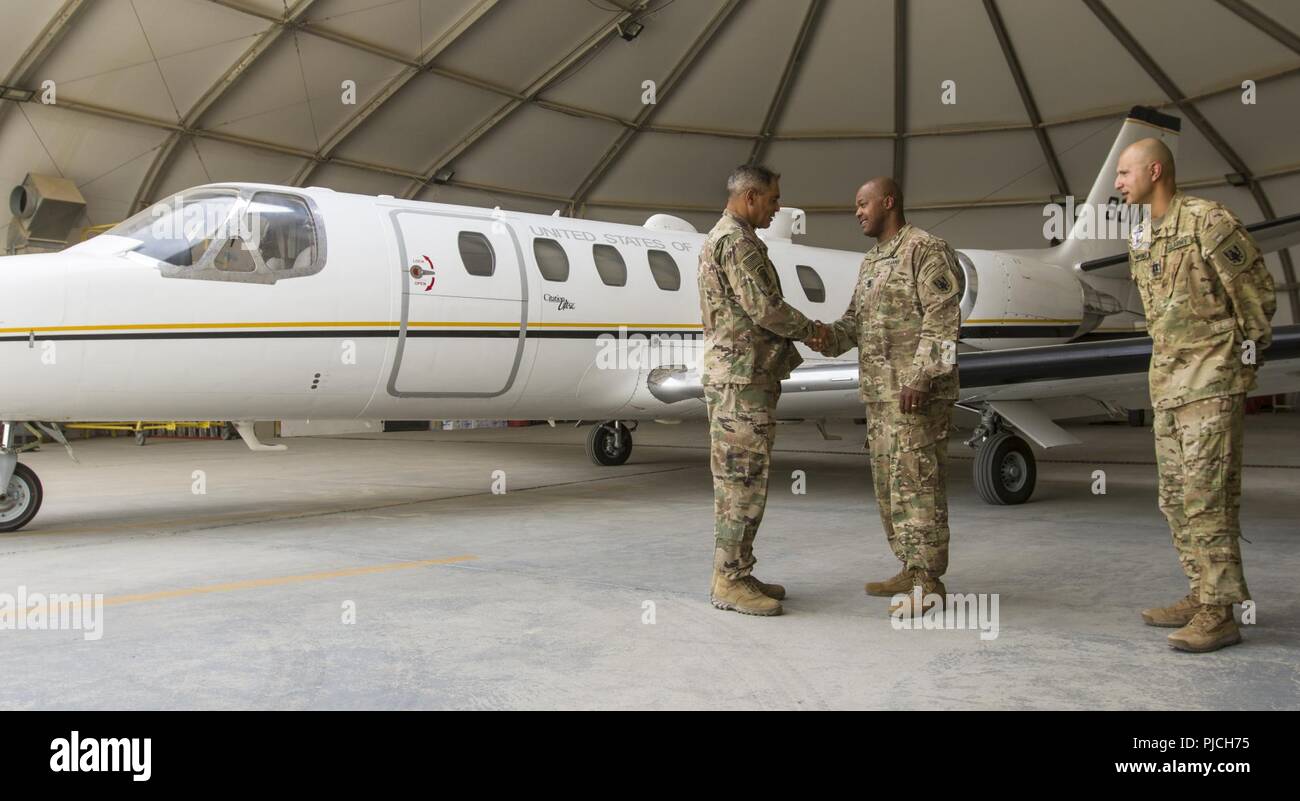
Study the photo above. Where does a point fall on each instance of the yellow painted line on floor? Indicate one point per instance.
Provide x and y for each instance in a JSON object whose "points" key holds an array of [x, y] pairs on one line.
{"points": [[259, 516], [276, 581], [279, 581]]}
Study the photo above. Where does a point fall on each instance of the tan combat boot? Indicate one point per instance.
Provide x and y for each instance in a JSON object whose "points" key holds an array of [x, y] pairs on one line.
{"points": [[742, 595], [891, 586], [1172, 617], [917, 601], [1210, 629], [774, 591]]}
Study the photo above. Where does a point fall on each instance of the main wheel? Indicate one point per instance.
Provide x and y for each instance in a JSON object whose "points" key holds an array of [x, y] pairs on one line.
{"points": [[609, 444], [22, 499], [1005, 471]]}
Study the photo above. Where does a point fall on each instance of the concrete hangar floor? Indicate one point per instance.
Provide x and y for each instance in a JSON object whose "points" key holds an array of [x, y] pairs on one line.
{"points": [[381, 571]]}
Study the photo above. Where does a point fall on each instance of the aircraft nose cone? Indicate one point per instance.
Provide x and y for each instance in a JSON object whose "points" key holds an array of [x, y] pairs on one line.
{"points": [[29, 285]]}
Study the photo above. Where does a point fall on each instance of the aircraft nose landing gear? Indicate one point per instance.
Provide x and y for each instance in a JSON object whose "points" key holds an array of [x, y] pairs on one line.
{"points": [[1005, 470], [20, 490], [609, 444]]}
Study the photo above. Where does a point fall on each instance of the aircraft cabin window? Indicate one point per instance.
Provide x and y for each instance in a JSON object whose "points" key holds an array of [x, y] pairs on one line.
{"points": [[610, 265], [664, 269], [226, 235], [811, 283], [551, 259], [477, 254]]}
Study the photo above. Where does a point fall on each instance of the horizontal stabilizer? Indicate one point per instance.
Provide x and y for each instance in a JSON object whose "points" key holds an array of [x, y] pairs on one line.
{"points": [[1269, 235]]}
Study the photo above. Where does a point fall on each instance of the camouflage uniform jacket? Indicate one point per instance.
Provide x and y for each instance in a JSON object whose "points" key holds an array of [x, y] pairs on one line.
{"points": [[1205, 290], [905, 317], [747, 323]]}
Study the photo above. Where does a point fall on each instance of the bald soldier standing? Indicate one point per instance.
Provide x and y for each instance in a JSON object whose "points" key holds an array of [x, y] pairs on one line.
{"points": [[748, 332], [904, 319], [1209, 301]]}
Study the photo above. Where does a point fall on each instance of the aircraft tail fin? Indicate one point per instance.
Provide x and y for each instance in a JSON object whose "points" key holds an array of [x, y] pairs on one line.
{"points": [[1142, 122]]}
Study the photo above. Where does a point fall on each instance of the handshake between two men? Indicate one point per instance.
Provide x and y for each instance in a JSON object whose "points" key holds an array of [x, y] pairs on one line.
{"points": [[824, 340], [904, 307]]}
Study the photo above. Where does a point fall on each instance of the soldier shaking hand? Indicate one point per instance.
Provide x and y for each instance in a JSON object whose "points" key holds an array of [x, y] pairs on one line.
{"points": [[904, 320], [749, 333]]}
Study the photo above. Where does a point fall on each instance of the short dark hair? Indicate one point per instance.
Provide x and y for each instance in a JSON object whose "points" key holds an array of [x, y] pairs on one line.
{"points": [[750, 176]]}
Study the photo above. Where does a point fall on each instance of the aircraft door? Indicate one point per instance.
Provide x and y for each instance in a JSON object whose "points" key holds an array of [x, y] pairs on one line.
{"points": [[464, 306]]}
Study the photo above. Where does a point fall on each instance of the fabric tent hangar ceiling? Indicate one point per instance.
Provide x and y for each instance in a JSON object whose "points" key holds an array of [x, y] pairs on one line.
{"points": [[539, 105]]}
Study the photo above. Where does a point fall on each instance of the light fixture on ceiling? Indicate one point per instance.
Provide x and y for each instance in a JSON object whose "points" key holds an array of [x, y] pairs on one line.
{"points": [[16, 94], [1237, 179], [630, 30], [444, 175]]}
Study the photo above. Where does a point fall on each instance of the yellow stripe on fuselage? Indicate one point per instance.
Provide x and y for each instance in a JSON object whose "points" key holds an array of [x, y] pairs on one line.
{"points": [[1020, 321], [54, 329], [48, 329]]}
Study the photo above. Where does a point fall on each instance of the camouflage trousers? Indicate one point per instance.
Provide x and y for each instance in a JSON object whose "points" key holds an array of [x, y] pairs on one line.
{"points": [[909, 471], [1198, 457], [742, 428]]}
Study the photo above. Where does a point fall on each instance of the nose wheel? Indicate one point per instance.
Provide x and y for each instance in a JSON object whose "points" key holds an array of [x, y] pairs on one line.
{"points": [[21, 500], [609, 444]]}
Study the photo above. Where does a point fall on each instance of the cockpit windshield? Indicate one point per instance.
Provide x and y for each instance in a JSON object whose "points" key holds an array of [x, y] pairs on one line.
{"points": [[180, 230], [250, 236]]}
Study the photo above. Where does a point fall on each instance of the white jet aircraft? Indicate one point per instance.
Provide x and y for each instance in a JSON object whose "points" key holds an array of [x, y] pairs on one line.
{"points": [[247, 302]]}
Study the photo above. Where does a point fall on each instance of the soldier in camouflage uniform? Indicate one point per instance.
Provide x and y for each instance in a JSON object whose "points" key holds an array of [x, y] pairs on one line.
{"points": [[904, 320], [748, 333], [1209, 300]]}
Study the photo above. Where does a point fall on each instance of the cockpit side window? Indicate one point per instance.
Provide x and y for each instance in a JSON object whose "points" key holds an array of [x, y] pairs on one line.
{"points": [[285, 234]]}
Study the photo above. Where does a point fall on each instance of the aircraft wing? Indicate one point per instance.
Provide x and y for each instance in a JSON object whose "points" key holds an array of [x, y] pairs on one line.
{"points": [[1269, 235], [1032, 387]]}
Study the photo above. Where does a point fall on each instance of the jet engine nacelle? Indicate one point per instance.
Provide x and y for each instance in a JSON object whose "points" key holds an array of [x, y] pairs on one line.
{"points": [[1012, 301]]}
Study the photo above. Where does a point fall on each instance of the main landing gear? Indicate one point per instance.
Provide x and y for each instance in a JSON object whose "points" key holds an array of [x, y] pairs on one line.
{"points": [[610, 444], [20, 490], [1005, 469]]}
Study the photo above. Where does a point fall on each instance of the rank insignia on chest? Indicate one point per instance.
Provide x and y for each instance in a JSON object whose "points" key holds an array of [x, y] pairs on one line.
{"points": [[869, 282], [1155, 269], [1235, 255], [941, 284]]}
